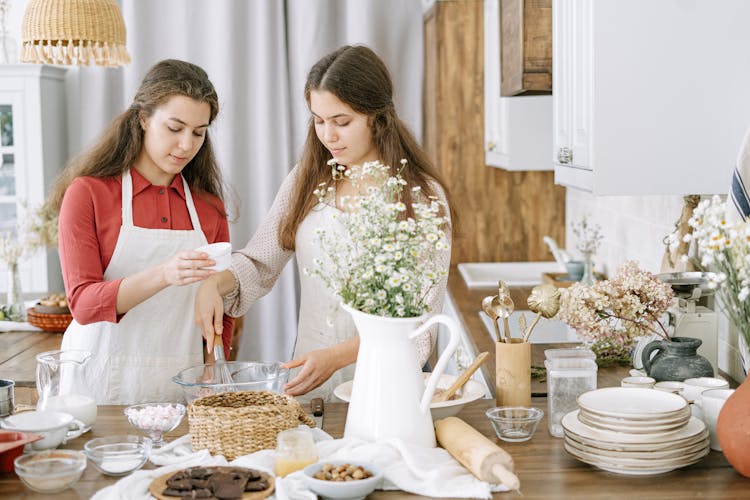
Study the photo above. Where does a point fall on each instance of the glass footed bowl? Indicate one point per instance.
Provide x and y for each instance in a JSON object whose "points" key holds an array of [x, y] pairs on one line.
{"points": [[155, 419]]}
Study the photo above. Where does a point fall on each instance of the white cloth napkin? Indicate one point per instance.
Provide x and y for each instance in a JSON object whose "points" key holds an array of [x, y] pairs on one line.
{"points": [[422, 471], [18, 326]]}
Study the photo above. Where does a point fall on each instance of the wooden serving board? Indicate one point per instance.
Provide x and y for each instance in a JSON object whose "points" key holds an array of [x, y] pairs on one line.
{"points": [[159, 484]]}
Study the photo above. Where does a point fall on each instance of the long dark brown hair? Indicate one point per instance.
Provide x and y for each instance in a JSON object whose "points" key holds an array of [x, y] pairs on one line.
{"points": [[119, 146], [358, 78]]}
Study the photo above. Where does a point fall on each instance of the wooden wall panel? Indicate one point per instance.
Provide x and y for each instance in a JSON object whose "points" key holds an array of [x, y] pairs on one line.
{"points": [[502, 215]]}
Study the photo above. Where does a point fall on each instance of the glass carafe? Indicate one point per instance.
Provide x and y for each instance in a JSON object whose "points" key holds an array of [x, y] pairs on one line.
{"points": [[62, 385]]}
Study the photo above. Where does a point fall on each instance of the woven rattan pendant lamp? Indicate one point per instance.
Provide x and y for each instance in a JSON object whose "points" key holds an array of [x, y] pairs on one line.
{"points": [[74, 32]]}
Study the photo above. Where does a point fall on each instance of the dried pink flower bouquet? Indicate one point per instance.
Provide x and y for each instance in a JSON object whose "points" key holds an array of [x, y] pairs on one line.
{"points": [[620, 309]]}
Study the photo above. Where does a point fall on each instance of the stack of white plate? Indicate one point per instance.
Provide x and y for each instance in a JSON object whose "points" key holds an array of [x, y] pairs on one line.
{"points": [[634, 431]]}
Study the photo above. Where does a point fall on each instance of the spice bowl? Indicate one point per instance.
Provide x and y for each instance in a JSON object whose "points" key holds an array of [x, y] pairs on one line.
{"points": [[50, 471], [514, 423], [341, 488], [155, 419], [118, 455]]}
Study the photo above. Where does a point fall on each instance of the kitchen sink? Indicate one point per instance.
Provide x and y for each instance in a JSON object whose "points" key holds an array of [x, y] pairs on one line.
{"points": [[547, 331], [487, 274]]}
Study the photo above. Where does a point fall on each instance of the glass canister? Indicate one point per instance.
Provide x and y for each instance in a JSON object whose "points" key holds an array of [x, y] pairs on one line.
{"points": [[295, 450], [567, 378]]}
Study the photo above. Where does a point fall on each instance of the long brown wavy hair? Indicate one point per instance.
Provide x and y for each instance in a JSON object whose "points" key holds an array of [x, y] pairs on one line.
{"points": [[119, 146], [359, 78]]}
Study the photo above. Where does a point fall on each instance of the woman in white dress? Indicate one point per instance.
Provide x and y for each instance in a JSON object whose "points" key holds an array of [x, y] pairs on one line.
{"points": [[350, 96]]}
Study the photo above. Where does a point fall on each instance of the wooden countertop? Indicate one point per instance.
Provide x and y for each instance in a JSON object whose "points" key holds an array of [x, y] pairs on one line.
{"points": [[544, 468], [18, 352]]}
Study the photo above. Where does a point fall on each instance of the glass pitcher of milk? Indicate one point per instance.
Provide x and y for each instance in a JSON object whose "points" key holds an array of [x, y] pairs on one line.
{"points": [[63, 386]]}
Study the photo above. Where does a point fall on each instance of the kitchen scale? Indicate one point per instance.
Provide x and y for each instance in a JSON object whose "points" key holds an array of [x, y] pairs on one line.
{"points": [[693, 315]]}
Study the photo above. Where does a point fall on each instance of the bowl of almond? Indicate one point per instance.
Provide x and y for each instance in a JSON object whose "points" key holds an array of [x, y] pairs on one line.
{"points": [[56, 303], [339, 479]]}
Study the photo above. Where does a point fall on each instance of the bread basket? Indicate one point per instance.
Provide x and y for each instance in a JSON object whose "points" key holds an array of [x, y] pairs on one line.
{"points": [[233, 424], [49, 322]]}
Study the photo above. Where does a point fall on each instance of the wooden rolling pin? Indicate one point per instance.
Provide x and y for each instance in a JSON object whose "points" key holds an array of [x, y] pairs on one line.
{"points": [[461, 379], [483, 458]]}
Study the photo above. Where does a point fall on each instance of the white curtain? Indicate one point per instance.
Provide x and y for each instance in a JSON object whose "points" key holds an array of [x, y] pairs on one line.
{"points": [[257, 53]]}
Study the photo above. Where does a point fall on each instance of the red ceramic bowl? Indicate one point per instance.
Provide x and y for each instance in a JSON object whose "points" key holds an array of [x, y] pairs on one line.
{"points": [[11, 446]]}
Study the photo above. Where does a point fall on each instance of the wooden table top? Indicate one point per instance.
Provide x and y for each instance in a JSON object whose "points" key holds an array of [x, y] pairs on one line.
{"points": [[542, 465], [18, 352]]}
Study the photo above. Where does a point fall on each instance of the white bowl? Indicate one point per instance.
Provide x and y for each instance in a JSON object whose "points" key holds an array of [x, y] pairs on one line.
{"points": [[471, 391], [352, 490], [221, 253], [55, 427]]}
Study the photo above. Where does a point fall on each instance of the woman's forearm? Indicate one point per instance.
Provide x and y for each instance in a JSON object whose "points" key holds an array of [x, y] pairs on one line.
{"points": [[139, 287]]}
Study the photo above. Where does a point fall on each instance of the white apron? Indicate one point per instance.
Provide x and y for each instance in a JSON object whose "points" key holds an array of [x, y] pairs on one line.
{"points": [[321, 322], [134, 360]]}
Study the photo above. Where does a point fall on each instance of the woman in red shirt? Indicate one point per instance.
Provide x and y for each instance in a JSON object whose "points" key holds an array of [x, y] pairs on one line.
{"points": [[132, 210]]}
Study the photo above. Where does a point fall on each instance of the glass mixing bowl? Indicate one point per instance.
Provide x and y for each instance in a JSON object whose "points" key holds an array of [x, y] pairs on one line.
{"points": [[198, 381]]}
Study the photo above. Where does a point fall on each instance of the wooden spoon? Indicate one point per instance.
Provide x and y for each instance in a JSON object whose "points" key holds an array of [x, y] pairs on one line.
{"points": [[461, 379]]}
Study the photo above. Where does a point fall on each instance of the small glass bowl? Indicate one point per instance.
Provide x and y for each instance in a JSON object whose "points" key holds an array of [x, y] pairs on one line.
{"points": [[50, 471], [118, 455], [155, 419], [514, 423]]}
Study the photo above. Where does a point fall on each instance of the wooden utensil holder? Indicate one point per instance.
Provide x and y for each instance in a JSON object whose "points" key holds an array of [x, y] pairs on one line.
{"points": [[513, 373]]}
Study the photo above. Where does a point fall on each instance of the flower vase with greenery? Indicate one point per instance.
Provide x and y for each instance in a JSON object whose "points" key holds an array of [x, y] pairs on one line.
{"points": [[589, 237], [611, 314], [382, 262], [37, 230], [724, 247]]}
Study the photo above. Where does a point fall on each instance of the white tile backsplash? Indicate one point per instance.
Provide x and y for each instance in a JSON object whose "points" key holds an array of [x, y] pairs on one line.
{"points": [[634, 228]]}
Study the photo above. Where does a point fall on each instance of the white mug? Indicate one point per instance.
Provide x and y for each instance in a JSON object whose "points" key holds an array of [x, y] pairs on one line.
{"points": [[221, 253], [643, 382], [710, 403], [672, 386], [695, 386], [55, 427]]}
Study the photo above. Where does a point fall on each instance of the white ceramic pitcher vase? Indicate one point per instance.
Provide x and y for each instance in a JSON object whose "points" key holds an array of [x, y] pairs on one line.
{"points": [[389, 398]]}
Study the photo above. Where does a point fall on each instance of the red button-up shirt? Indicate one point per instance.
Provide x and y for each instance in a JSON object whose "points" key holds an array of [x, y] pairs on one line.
{"points": [[89, 225]]}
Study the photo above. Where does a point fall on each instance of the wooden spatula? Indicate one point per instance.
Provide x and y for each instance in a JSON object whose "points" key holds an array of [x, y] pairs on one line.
{"points": [[461, 379]]}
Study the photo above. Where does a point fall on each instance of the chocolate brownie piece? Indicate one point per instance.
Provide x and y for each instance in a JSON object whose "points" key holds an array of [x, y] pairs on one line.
{"points": [[257, 485]]}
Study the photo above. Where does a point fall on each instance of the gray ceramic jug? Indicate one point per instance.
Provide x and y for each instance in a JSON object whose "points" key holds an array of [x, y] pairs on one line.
{"points": [[677, 359]]}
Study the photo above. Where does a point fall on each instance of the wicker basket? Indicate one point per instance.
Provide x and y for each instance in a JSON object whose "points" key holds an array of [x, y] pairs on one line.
{"points": [[48, 322], [237, 423]]}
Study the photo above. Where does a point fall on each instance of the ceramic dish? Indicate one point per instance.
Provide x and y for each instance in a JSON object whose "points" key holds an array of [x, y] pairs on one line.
{"points": [[632, 402], [631, 429], [637, 447], [632, 466], [652, 454], [471, 391], [571, 424], [351, 490], [11, 446], [680, 418]]}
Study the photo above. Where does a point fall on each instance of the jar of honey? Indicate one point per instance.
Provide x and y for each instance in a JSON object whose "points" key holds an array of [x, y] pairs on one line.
{"points": [[295, 450]]}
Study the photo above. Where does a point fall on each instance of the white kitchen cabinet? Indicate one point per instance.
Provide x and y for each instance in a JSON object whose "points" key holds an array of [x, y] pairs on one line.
{"points": [[518, 130], [650, 96], [33, 149]]}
